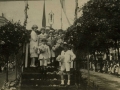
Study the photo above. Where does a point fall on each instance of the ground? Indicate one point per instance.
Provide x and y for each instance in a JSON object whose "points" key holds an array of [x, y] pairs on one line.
{"points": [[11, 77], [103, 80]]}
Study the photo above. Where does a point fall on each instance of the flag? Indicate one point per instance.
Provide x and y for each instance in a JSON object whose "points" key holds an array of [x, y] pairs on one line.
{"points": [[63, 5], [64, 10], [44, 16]]}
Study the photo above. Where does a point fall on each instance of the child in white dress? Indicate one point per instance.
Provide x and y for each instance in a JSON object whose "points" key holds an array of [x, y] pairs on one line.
{"points": [[44, 53], [66, 57]]}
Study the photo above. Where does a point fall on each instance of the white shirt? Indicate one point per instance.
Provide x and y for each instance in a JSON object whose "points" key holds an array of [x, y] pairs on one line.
{"points": [[68, 55]]}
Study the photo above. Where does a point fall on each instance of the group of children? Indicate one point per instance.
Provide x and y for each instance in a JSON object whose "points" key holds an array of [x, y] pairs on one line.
{"points": [[111, 67], [51, 49]]}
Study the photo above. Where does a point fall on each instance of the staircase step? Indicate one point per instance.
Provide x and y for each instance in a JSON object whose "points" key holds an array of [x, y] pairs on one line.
{"points": [[43, 82], [38, 69], [40, 76], [72, 87]]}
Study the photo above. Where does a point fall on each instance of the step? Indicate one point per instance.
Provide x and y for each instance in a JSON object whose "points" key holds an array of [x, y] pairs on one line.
{"points": [[40, 76], [43, 82], [72, 87], [38, 69]]}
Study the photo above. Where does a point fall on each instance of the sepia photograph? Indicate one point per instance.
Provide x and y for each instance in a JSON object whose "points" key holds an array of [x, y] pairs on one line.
{"points": [[59, 45]]}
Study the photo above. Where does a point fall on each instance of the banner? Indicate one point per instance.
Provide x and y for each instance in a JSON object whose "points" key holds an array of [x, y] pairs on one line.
{"points": [[44, 16], [64, 10], [63, 5]]}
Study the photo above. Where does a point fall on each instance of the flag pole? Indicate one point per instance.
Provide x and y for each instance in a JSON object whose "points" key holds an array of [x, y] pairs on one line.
{"points": [[26, 44], [44, 16], [76, 8], [61, 17]]}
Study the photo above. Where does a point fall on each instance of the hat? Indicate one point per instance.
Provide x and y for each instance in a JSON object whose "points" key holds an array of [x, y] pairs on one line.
{"points": [[51, 31], [65, 43], [43, 28], [60, 30], [34, 26]]}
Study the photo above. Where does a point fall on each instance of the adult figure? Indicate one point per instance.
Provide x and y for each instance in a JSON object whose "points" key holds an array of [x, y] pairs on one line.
{"points": [[100, 61], [33, 45], [60, 36], [42, 36], [55, 34], [57, 49], [60, 32]]}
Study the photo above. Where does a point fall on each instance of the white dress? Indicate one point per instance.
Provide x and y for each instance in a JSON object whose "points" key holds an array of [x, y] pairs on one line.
{"points": [[44, 56], [33, 44]]}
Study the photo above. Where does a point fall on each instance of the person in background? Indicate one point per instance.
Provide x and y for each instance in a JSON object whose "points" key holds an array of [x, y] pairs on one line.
{"points": [[33, 45], [57, 49], [41, 36], [66, 57], [51, 43], [60, 32]]}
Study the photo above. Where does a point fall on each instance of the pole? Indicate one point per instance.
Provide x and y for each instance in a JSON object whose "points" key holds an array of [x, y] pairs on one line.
{"points": [[7, 69], [61, 17], [26, 56], [15, 67], [76, 8], [25, 23], [76, 5], [26, 16], [88, 70]]}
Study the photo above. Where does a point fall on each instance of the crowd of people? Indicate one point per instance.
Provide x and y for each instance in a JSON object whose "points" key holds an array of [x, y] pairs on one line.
{"points": [[103, 65], [11, 66], [51, 49]]}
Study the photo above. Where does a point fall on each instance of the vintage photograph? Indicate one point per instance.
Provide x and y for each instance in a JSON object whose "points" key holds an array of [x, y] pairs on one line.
{"points": [[59, 45]]}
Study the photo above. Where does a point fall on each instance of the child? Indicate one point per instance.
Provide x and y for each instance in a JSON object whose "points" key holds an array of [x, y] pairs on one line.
{"points": [[67, 56], [44, 53], [51, 43]]}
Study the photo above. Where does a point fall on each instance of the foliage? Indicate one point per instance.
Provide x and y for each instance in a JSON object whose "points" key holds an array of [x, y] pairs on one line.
{"points": [[14, 35], [98, 28]]}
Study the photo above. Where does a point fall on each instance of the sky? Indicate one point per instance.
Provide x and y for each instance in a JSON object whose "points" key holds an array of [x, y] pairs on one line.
{"points": [[15, 10]]}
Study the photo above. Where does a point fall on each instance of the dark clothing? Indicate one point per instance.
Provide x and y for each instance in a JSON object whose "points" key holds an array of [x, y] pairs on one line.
{"points": [[57, 52]]}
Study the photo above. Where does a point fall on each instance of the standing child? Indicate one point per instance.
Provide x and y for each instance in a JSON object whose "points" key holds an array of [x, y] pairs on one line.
{"points": [[44, 54], [51, 43], [67, 56]]}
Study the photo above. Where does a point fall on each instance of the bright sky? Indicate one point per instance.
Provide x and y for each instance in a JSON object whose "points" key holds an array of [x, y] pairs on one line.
{"points": [[15, 10]]}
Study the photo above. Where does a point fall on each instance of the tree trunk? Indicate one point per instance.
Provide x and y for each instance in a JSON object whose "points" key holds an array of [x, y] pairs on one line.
{"points": [[7, 59], [107, 54], [118, 55], [15, 66], [88, 71]]}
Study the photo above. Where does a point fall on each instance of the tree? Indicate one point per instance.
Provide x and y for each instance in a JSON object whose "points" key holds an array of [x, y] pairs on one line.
{"points": [[14, 36], [99, 27]]}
